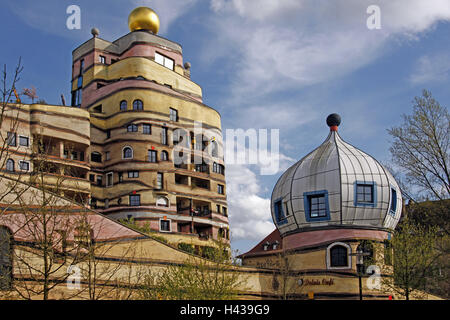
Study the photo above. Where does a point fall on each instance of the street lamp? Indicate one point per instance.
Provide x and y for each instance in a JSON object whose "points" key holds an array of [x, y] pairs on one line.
{"points": [[360, 266]]}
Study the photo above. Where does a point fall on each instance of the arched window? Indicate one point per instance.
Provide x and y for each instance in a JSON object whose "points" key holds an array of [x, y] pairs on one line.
{"points": [[138, 105], [338, 256], [5, 259], [127, 153], [164, 156], [162, 202], [123, 105], [10, 165]]}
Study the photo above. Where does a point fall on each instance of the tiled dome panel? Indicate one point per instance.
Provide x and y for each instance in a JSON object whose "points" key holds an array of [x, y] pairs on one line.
{"points": [[335, 171]]}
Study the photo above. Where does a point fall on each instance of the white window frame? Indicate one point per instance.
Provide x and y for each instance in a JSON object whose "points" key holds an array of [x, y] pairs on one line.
{"points": [[170, 225], [165, 61], [349, 257], [20, 165], [163, 197]]}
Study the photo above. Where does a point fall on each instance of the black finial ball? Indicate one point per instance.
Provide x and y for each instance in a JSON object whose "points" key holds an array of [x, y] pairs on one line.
{"points": [[333, 120]]}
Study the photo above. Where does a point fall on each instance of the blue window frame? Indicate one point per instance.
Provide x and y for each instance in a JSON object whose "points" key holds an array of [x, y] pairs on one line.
{"points": [[316, 206], [393, 207], [365, 193], [279, 214]]}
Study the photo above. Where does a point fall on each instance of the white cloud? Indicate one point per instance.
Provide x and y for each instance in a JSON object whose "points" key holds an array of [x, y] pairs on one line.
{"points": [[168, 11], [50, 16], [431, 68], [280, 45], [250, 216]]}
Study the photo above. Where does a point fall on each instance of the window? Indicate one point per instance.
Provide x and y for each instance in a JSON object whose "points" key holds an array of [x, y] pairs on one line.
{"points": [[266, 246], [218, 168], [92, 177], [132, 128], [109, 179], [173, 115], [127, 153], [99, 181], [6, 276], [81, 65], [77, 97], [120, 174], [96, 157], [164, 136], [316, 205], [123, 105], [10, 165], [214, 149], [217, 208], [135, 200], [159, 180], [102, 59], [133, 174], [164, 156], [393, 201], [74, 155], [164, 61], [338, 256], [11, 139], [162, 202], [152, 155], [108, 134], [80, 82], [81, 155], [279, 214], [164, 225], [147, 129], [365, 194], [24, 141], [275, 245], [220, 189], [24, 166], [317, 208], [224, 211], [138, 105]]}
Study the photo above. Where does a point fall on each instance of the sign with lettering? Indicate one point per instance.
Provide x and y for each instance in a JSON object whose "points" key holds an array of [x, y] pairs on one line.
{"points": [[316, 282]]}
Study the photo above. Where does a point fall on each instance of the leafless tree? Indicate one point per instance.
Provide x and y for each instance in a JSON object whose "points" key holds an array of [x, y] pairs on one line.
{"points": [[421, 148]]}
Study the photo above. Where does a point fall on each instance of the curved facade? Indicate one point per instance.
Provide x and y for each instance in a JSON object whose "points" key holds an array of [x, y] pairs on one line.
{"points": [[156, 149]]}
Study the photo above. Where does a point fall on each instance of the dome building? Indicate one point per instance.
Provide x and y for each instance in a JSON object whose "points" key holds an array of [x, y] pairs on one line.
{"points": [[335, 202]]}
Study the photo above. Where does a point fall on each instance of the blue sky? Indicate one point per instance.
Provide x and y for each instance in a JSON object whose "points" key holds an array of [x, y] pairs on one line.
{"points": [[266, 64]]}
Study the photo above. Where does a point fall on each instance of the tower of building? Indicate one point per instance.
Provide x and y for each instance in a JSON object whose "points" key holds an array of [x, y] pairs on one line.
{"points": [[156, 148], [333, 211]]}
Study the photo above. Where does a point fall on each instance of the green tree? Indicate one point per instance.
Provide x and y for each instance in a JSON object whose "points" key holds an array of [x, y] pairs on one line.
{"points": [[421, 148], [195, 279], [415, 259]]}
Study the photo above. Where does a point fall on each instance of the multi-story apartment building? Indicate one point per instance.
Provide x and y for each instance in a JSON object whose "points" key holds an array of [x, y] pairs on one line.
{"points": [[138, 138]]}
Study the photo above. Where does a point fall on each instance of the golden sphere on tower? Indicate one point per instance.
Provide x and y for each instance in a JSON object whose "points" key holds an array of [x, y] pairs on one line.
{"points": [[143, 18]]}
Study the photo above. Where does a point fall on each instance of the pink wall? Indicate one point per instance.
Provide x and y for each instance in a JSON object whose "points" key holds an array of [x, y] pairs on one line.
{"points": [[314, 238]]}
